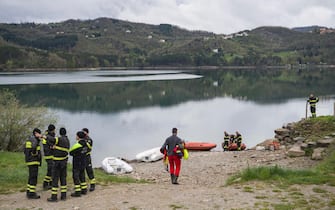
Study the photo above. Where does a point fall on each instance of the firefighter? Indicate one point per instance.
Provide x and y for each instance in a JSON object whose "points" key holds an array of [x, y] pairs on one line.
{"points": [[79, 151], [238, 138], [59, 170], [225, 144], [89, 168], [32, 151], [48, 156], [312, 104]]}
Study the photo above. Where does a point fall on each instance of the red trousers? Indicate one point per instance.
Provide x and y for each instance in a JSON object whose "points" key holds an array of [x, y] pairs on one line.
{"points": [[175, 164]]}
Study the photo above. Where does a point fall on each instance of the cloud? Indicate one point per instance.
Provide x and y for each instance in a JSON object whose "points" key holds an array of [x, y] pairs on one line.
{"points": [[219, 16]]}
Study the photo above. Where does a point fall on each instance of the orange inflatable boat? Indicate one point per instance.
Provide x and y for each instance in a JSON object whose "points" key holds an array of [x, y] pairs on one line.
{"points": [[200, 146]]}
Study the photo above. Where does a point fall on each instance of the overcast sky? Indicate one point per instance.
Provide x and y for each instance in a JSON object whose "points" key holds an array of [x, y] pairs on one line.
{"points": [[219, 16]]}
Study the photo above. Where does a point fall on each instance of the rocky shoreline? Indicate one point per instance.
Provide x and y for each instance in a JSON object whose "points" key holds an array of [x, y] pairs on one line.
{"points": [[290, 140]]}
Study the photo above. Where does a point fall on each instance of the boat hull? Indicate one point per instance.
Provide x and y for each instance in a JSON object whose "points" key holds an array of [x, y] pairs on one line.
{"points": [[113, 165], [199, 146], [150, 155]]}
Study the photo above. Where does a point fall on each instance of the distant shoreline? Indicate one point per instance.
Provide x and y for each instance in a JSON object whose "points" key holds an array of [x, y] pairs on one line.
{"points": [[303, 66]]}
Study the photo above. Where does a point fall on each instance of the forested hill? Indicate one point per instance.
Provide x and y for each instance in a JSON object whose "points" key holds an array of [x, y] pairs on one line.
{"points": [[107, 42]]}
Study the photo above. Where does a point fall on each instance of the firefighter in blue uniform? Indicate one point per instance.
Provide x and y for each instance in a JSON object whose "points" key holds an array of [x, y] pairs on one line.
{"points": [[32, 151]]}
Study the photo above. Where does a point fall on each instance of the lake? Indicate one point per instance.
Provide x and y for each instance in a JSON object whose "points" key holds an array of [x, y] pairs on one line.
{"points": [[128, 112]]}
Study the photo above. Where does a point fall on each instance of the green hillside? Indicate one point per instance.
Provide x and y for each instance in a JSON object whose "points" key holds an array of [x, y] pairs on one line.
{"points": [[107, 42]]}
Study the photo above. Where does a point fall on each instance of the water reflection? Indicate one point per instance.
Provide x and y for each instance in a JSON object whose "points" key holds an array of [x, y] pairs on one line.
{"points": [[261, 86], [128, 117], [127, 133]]}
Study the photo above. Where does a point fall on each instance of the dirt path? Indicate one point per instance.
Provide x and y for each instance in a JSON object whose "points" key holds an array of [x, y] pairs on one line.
{"points": [[201, 186]]}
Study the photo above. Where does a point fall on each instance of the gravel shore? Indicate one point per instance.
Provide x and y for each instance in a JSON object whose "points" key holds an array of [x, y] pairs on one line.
{"points": [[202, 186]]}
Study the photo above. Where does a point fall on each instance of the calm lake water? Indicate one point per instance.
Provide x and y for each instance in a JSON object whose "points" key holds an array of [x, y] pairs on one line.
{"points": [[128, 112]]}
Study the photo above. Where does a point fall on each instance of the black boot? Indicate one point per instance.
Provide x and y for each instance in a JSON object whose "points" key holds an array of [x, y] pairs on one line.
{"points": [[175, 181], [76, 194], [92, 187], [63, 196], [84, 191], [53, 198], [27, 193], [33, 195], [172, 178]]}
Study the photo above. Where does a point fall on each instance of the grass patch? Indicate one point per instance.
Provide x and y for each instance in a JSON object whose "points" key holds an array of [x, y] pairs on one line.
{"points": [[282, 206], [332, 202], [316, 128], [261, 197], [319, 190], [174, 206], [296, 194], [248, 189], [275, 174], [14, 174]]}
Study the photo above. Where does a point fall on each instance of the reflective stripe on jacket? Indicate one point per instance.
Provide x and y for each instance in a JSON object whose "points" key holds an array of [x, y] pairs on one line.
{"points": [[61, 148], [312, 101]]}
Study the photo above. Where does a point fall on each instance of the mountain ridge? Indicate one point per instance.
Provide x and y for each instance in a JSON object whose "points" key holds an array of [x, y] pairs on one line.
{"points": [[106, 42]]}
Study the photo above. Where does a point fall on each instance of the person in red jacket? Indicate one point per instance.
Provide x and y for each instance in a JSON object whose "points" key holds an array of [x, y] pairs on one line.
{"points": [[174, 147]]}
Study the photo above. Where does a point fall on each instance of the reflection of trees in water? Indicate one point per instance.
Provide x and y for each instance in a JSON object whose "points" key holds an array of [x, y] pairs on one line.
{"points": [[258, 85]]}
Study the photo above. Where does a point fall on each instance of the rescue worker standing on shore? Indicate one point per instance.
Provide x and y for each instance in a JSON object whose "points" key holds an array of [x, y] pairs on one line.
{"points": [[79, 151], [48, 155], [312, 104], [174, 148], [89, 168], [59, 170], [225, 144], [32, 151]]}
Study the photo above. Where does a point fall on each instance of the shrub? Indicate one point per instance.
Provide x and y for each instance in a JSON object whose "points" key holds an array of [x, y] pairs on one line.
{"points": [[17, 121]]}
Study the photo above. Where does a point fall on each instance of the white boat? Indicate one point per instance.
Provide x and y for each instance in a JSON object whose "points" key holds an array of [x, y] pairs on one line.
{"points": [[150, 155], [113, 165]]}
